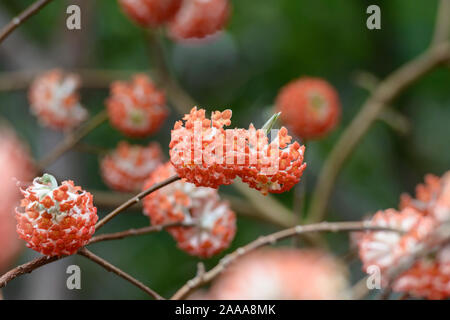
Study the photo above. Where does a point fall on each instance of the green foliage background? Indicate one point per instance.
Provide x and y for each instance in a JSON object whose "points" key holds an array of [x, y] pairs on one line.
{"points": [[266, 44]]}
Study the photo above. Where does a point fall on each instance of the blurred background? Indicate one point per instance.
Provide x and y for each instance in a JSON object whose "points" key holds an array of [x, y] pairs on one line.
{"points": [[266, 44]]}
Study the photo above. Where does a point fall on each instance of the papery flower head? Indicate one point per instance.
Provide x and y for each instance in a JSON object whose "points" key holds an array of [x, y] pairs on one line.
{"points": [[309, 107], [128, 166], [385, 248], [429, 276], [15, 163], [282, 274], [206, 154], [54, 100], [199, 18], [55, 219], [213, 222], [150, 12], [137, 108]]}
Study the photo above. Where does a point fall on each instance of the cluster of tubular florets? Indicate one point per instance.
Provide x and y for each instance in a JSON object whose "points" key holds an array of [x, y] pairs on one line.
{"points": [[418, 218], [206, 154], [212, 224]]}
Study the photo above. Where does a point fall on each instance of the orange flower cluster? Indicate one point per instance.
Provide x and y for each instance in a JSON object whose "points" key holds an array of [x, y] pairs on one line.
{"points": [[207, 155], [127, 167], [213, 222], [282, 274], [418, 218], [186, 19], [138, 108], [150, 12], [309, 107], [56, 220], [15, 164], [54, 100]]}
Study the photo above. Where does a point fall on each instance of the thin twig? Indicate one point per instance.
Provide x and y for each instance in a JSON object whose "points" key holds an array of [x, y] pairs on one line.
{"points": [[270, 239], [442, 28], [91, 149], [90, 78], [109, 267], [383, 95], [72, 139], [136, 232], [135, 200], [360, 289], [26, 268], [388, 115], [22, 17]]}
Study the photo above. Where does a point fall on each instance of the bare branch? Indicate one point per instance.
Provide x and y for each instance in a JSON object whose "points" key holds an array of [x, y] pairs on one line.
{"points": [[25, 15], [135, 200], [111, 268], [26, 268], [442, 27], [90, 78], [72, 139], [206, 277], [136, 232]]}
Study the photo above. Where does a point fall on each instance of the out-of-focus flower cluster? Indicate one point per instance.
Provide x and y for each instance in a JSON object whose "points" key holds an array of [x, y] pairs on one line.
{"points": [[55, 220], [282, 274], [15, 166], [185, 19], [309, 107], [206, 154], [138, 108], [54, 100], [213, 222], [418, 218], [150, 13], [128, 166]]}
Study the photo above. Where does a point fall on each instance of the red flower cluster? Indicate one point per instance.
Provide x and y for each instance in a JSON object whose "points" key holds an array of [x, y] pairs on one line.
{"points": [[418, 218], [15, 164], [214, 224], [56, 220], [138, 108], [54, 100], [128, 166], [206, 154], [282, 274], [150, 12], [199, 18], [186, 19], [310, 107]]}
